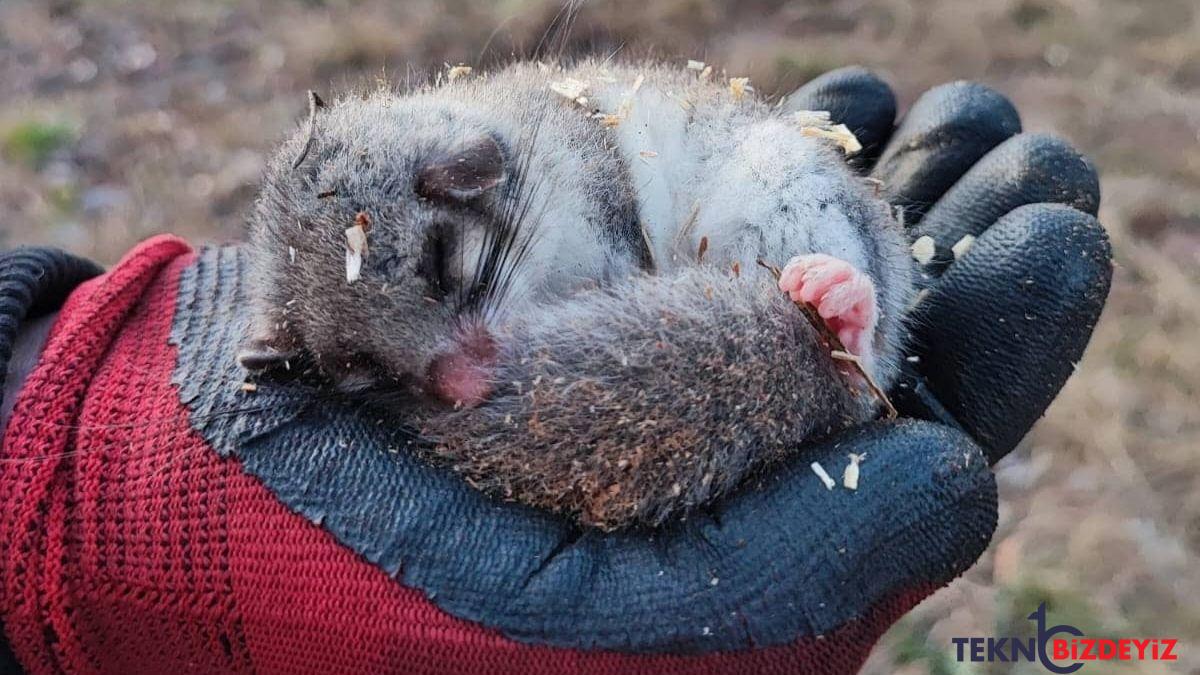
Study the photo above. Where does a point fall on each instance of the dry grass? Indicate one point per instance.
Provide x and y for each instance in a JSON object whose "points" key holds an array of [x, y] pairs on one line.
{"points": [[122, 119]]}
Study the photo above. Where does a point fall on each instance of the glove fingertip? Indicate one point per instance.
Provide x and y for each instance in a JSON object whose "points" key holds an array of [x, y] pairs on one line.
{"points": [[1002, 330], [1025, 169], [921, 510], [942, 136]]}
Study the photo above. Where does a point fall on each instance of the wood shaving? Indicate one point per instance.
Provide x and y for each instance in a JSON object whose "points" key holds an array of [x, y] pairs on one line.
{"points": [[850, 475], [625, 108], [739, 87], [571, 89], [706, 73], [823, 475], [920, 297], [819, 124], [963, 245], [698, 66], [838, 133], [685, 230], [876, 390], [649, 243], [923, 249], [812, 118], [458, 71], [356, 251], [249, 387]]}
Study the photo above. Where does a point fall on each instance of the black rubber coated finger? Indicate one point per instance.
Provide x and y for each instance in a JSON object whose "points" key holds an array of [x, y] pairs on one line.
{"points": [[1002, 329], [1025, 169], [947, 130]]}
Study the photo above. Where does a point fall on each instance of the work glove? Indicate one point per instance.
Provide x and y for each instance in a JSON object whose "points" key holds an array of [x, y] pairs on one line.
{"points": [[174, 515], [996, 334]]}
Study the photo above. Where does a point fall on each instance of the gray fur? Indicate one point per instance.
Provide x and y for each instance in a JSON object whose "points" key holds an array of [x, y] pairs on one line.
{"points": [[641, 397], [635, 403], [369, 153]]}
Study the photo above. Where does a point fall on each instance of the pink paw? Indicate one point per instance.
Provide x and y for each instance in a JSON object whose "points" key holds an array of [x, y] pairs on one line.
{"points": [[843, 296]]}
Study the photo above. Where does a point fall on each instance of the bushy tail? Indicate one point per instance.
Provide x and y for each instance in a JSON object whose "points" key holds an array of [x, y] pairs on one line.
{"points": [[633, 404]]}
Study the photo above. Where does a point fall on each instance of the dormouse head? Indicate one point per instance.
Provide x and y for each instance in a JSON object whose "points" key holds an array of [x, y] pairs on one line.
{"points": [[385, 243]]}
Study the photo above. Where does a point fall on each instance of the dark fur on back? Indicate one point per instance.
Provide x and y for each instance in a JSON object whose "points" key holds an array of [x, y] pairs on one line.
{"points": [[615, 406]]}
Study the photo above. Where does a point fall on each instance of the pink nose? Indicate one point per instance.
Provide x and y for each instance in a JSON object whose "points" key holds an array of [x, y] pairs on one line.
{"points": [[463, 376]]}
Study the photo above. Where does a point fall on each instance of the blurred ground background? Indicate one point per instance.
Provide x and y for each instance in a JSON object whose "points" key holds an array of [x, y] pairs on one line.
{"points": [[119, 119]]}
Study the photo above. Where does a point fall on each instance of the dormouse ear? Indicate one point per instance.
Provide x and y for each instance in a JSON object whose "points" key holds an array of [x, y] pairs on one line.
{"points": [[465, 173]]}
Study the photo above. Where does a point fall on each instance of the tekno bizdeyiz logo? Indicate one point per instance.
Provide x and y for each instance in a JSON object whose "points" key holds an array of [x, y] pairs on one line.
{"points": [[1062, 648]]}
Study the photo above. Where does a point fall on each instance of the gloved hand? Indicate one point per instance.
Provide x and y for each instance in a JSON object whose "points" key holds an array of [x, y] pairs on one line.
{"points": [[999, 331], [394, 565]]}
